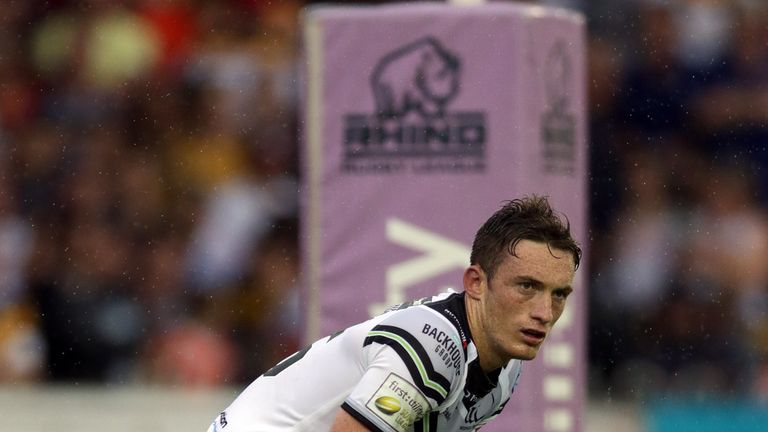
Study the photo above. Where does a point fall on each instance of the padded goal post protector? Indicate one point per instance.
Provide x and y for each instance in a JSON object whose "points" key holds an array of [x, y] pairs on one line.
{"points": [[419, 120]]}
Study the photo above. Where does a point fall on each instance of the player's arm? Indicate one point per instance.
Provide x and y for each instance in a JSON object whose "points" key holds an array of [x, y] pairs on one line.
{"points": [[403, 381], [346, 423]]}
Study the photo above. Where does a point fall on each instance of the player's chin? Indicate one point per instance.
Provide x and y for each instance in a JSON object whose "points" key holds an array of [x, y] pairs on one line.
{"points": [[525, 352]]}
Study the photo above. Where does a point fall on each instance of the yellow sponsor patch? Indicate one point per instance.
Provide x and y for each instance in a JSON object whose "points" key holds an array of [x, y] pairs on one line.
{"points": [[398, 403], [388, 405]]}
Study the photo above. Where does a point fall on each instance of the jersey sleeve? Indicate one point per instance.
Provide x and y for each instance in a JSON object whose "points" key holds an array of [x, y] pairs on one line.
{"points": [[413, 362]]}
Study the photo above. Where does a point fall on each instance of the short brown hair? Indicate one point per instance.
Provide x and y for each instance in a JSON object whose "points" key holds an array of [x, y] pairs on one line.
{"points": [[528, 218]]}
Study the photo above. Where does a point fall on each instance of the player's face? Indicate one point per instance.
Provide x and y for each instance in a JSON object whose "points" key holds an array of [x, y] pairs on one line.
{"points": [[525, 297]]}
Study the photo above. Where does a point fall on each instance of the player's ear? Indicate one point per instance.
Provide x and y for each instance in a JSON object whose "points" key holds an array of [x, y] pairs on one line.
{"points": [[474, 281]]}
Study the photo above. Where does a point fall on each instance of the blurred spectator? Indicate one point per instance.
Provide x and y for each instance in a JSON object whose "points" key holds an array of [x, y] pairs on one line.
{"points": [[191, 355], [232, 225], [636, 270], [174, 23], [607, 140], [104, 45], [263, 309], [658, 84], [726, 276], [21, 346], [731, 109], [702, 31], [15, 240]]}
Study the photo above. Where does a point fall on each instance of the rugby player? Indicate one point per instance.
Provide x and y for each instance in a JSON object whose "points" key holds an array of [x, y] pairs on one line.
{"points": [[445, 363]]}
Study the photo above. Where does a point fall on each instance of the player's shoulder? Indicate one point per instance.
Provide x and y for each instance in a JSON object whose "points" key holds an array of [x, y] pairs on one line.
{"points": [[428, 316], [425, 330]]}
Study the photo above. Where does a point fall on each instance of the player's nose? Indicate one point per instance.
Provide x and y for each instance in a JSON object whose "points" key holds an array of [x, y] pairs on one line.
{"points": [[541, 308]]}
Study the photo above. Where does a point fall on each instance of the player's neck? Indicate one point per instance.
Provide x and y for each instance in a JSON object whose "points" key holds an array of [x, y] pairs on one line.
{"points": [[489, 361]]}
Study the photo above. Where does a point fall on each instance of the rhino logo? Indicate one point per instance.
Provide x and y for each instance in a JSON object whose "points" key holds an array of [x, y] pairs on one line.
{"points": [[421, 77], [411, 127]]}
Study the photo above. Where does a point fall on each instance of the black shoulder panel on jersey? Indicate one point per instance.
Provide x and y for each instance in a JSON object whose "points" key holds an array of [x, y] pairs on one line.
{"points": [[452, 308], [361, 418], [415, 357]]}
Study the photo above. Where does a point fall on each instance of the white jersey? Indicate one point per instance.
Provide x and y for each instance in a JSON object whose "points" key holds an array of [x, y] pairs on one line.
{"points": [[413, 368]]}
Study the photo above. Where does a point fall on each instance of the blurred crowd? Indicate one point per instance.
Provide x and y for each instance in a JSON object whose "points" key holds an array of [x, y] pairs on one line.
{"points": [[148, 196], [679, 204], [149, 181]]}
